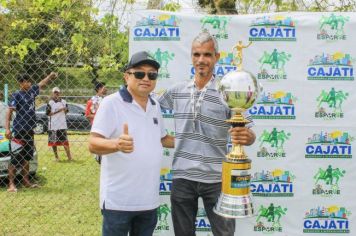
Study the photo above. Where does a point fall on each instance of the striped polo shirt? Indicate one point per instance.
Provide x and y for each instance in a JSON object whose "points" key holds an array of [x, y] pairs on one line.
{"points": [[201, 134]]}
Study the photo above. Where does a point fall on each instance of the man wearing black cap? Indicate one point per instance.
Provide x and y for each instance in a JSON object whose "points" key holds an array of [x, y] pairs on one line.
{"points": [[128, 132]]}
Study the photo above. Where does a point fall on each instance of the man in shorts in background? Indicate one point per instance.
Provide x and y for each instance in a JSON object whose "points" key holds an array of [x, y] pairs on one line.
{"points": [[56, 110]]}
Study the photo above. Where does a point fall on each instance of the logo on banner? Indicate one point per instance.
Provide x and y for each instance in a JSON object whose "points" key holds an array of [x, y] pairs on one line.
{"points": [[272, 144], [222, 67], [167, 113], [163, 57], [165, 185], [330, 104], [278, 183], [327, 181], [216, 25], [163, 212], [167, 151], [335, 144], [276, 61], [163, 27], [332, 27], [273, 28], [170, 132], [337, 66], [332, 219], [277, 105], [269, 219], [201, 222]]}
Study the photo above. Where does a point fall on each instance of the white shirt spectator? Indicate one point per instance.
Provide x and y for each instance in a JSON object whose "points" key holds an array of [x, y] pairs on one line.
{"points": [[58, 120]]}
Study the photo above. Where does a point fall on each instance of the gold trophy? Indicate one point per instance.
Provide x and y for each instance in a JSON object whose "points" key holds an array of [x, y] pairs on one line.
{"points": [[240, 91]]}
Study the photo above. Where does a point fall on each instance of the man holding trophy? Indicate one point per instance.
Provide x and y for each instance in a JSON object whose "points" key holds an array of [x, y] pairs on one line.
{"points": [[200, 111]]}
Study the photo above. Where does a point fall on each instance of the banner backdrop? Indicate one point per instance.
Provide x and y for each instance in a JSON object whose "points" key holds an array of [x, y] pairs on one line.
{"points": [[303, 163]]}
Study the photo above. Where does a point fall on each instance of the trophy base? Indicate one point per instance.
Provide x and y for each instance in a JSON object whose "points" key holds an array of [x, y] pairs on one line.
{"points": [[230, 206]]}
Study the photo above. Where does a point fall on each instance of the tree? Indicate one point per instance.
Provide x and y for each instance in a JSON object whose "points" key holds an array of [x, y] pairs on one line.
{"points": [[257, 6], [218, 6], [159, 4], [40, 35]]}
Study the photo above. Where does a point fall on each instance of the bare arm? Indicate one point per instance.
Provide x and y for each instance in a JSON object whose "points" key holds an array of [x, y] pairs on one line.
{"points": [[60, 110], [168, 141], [46, 80], [50, 113], [8, 117], [66, 110], [90, 116], [98, 144]]}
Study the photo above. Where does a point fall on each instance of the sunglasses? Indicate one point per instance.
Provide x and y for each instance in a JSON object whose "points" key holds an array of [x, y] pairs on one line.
{"points": [[142, 74]]}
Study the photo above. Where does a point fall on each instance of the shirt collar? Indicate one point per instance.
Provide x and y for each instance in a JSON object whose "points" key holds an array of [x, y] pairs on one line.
{"points": [[192, 82], [127, 97]]}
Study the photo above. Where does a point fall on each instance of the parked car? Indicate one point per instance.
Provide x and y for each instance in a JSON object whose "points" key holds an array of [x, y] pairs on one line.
{"points": [[76, 119], [5, 150]]}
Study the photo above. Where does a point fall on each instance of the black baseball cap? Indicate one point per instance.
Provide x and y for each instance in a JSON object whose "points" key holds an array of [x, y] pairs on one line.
{"points": [[142, 58]]}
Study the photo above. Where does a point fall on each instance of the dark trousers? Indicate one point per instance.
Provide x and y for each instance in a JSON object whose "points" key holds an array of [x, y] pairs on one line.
{"points": [[137, 223], [184, 200]]}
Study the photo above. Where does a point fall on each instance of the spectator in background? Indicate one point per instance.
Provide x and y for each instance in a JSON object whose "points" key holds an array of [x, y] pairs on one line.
{"points": [[22, 144], [57, 109], [93, 103]]}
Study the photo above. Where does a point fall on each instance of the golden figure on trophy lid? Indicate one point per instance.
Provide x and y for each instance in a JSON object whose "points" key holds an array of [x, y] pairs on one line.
{"points": [[239, 47]]}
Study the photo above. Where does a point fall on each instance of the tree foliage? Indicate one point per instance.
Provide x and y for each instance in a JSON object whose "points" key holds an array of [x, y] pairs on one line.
{"points": [[172, 6], [260, 6], [39, 35]]}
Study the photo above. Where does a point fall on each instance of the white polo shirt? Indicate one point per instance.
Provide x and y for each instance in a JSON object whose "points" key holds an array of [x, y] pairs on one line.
{"points": [[130, 182]]}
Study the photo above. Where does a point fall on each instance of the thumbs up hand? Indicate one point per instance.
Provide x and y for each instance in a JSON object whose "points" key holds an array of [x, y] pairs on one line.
{"points": [[125, 141]]}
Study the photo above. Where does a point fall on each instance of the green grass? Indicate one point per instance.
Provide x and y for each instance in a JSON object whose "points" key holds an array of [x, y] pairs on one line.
{"points": [[66, 203]]}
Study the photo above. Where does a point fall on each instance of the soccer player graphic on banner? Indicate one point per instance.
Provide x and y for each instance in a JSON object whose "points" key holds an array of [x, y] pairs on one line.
{"points": [[22, 144], [200, 141], [128, 132]]}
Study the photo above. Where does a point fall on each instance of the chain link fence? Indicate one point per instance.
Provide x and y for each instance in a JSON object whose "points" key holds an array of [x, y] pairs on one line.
{"points": [[49, 181]]}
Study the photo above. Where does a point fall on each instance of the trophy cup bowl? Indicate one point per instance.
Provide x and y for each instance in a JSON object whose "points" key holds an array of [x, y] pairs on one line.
{"points": [[240, 91]]}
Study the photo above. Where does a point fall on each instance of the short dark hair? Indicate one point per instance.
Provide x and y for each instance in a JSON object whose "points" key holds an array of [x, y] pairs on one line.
{"points": [[99, 85], [23, 77]]}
